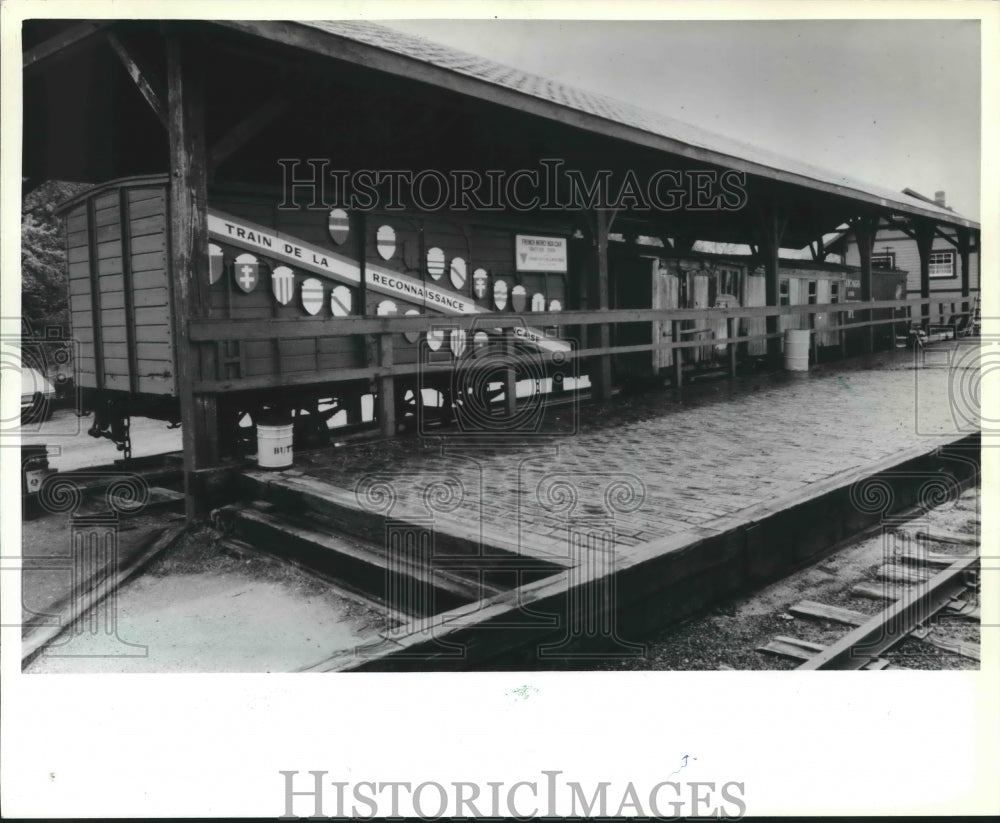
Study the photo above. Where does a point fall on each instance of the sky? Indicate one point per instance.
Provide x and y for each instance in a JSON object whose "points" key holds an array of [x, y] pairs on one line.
{"points": [[892, 102]]}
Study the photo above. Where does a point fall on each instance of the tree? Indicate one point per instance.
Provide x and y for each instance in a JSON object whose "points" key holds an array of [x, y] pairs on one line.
{"points": [[44, 280]]}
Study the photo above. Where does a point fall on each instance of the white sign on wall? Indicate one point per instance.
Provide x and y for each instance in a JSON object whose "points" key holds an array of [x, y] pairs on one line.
{"points": [[533, 253]]}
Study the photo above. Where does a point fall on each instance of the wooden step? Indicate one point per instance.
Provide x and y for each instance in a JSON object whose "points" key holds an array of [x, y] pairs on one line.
{"points": [[358, 566], [340, 508]]}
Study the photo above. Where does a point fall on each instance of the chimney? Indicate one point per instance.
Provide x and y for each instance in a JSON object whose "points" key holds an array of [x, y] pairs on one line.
{"points": [[939, 198]]}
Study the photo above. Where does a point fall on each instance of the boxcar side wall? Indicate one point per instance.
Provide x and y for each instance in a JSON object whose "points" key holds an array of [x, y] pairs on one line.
{"points": [[119, 292]]}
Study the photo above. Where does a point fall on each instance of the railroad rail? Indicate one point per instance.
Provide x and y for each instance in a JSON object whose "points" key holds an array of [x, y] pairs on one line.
{"points": [[861, 649]]}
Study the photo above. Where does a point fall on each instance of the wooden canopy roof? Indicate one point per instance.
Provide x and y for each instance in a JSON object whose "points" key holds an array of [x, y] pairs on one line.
{"points": [[367, 96]]}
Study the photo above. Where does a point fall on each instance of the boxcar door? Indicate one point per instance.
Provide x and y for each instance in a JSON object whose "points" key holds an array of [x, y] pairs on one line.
{"points": [[666, 295]]}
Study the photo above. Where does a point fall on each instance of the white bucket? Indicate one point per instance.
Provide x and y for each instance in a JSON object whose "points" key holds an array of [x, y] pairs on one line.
{"points": [[796, 350], [274, 446]]}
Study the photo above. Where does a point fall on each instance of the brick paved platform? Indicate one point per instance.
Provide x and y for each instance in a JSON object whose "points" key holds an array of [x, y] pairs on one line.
{"points": [[657, 465]]}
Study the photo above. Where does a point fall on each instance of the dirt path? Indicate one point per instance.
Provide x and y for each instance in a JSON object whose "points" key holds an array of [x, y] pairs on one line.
{"points": [[198, 610]]}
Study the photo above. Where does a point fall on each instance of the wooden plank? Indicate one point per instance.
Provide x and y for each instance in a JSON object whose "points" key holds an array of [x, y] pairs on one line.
{"points": [[904, 574], [150, 298], [112, 265], [105, 201], [79, 255], [111, 232], [960, 647], [156, 384], [150, 261], [792, 648], [112, 317], [810, 608], [148, 225], [112, 299], [80, 270], [151, 316], [79, 303], [137, 194], [116, 350], [107, 217], [151, 279], [949, 538], [76, 220], [109, 250], [885, 592], [78, 239], [154, 334], [919, 558], [147, 208], [154, 351], [148, 243]]}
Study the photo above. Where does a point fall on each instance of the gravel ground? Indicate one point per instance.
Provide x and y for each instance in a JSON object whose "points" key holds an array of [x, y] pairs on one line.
{"points": [[728, 635]]}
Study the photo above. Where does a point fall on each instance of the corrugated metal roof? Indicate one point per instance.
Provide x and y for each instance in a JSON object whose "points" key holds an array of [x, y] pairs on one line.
{"points": [[619, 112]]}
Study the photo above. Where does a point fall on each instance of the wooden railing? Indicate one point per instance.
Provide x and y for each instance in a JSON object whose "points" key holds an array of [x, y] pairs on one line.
{"points": [[378, 333]]}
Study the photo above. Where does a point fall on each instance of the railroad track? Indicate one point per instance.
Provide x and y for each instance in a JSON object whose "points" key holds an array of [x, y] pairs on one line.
{"points": [[942, 584]]}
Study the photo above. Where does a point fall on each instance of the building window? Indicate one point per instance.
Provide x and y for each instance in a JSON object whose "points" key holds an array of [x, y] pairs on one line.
{"points": [[812, 292], [884, 260], [942, 264], [783, 294], [834, 292], [729, 282]]}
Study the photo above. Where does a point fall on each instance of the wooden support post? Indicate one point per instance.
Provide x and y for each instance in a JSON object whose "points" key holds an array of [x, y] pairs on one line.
{"points": [[771, 223], [841, 335], [732, 327], [923, 233], [510, 374], [964, 248], [813, 338], [386, 399], [600, 378], [675, 337], [864, 228], [189, 256]]}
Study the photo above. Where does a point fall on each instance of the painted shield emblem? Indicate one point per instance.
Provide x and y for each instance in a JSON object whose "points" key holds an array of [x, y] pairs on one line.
{"points": [[538, 302], [435, 262], [518, 298], [283, 284], [312, 295], [341, 301], [500, 295], [246, 272], [411, 336], [339, 226], [555, 305], [479, 283], [458, 271], [216, 263], [386, 308], [457, 342], [385, 242], [435, 337]]}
